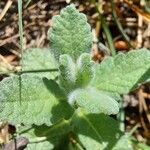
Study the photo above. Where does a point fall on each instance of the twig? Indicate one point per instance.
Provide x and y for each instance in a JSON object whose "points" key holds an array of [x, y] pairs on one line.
{"points": [[138, 11], [146, 95], [139, 31], [5, 61], [8, 4], [9, 39], [141, 102], [134, 129], [4, 133]]}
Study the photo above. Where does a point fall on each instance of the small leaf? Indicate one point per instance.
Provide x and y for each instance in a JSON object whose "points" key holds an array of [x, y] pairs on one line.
{"points": [[94, 101], [123, 72], [85, 69], [30, 102], [44, 137], [67, 77], [70, 33], [95, 131], [39, 59]]}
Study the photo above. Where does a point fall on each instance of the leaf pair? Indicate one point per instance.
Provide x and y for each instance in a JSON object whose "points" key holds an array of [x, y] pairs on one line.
{"points": [[75, 75]]}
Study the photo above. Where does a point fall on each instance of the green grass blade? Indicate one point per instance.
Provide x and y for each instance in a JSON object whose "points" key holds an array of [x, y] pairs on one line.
{"points": [[20, 24], [21, 38]]}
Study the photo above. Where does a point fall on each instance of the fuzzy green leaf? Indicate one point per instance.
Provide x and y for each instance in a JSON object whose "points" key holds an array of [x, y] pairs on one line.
{"points": [[74, 75], [30, 102], [70, 33], [44, 137], [67, 77], [85, 69], [39, 59], [95, 131], [94, 101], [123, 72]]}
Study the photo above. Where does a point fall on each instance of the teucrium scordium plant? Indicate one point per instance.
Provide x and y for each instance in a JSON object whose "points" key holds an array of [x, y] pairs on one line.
{"points": [[74, 102]]}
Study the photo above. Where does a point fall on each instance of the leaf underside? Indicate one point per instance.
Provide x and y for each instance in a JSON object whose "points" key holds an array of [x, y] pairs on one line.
{"points": [[94, 101]]}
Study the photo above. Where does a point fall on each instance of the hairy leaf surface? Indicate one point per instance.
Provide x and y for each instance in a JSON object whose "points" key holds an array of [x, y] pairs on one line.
{"points": [[68, 72], [123, 72], [39, 59], [85, 70], [70, 33], [30, 102], [94, 101]]}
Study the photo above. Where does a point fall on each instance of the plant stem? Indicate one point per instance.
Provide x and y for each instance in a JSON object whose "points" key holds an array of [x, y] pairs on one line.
{"points": [[38, 71], [12, 72], [121, 116]]}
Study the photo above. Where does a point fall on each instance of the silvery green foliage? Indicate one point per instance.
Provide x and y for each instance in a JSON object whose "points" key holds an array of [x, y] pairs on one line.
{"points": [[83, 93], [32, 103], [85, 70], [39, 59], [75, 74], [70, 33], [123, 72], [68, 72], [90, 98]]}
